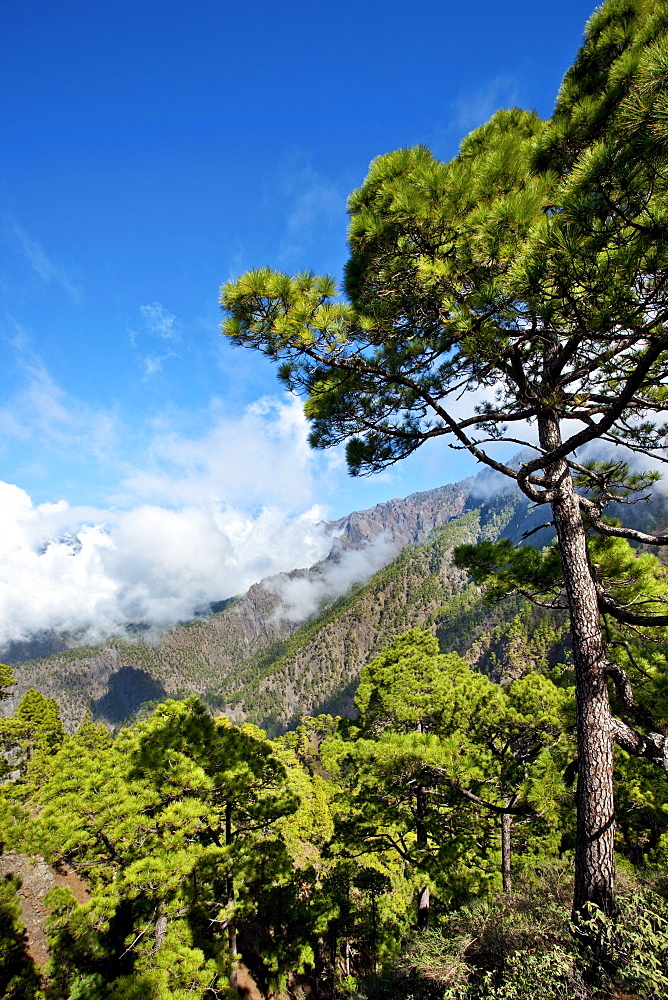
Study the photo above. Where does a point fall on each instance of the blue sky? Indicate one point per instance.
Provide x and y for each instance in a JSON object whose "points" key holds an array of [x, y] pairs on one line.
{"points": [[151, 151]]}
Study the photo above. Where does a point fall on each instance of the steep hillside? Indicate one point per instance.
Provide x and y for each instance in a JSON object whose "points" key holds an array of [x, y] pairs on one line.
{"points": [[115, 679], [317, 668], [218, 656], [410, 519], [270, 657]]}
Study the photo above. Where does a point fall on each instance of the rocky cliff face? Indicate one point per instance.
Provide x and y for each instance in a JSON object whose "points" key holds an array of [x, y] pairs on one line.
{"points": [[404, 521]]}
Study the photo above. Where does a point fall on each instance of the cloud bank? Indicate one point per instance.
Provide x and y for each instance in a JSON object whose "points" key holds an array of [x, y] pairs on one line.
{"points": [[91, 573], [199, 520]]}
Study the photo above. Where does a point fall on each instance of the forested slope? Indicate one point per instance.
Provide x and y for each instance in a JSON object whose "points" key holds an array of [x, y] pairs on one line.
{"points": [[227, 655], [256, 660], [317, 668]]}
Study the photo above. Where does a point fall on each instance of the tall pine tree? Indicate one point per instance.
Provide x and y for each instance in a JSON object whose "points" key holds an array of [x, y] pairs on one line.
{"points": [[530, 271]]}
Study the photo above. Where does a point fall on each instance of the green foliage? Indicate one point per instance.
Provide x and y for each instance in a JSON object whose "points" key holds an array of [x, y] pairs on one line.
{"points": [[172, 826], [634, 580], [7, 679], [33, 733], [503, 568], [633, 947], [18, 977], [520, 947], [438, 755], [411, 682], [324, 865]]}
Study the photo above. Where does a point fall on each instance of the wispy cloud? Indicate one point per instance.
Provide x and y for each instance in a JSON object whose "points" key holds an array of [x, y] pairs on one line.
{"points": [[313, 202], [302, 595], [153, 363], [469, 110], [160, 322], [44, 266], [472, 108], [42, 411], [156, 322]]}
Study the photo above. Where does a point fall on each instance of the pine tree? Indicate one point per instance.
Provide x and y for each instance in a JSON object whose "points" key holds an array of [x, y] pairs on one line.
{"points": [[531, 271], [7, 679], [34, 731], [171, 825]]}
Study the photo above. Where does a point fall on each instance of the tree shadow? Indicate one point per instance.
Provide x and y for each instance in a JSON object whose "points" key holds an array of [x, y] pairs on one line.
{"points": [[128, 688]]}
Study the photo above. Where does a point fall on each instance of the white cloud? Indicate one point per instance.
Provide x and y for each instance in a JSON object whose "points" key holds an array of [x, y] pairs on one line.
{"points": [[301, 596], [160, 322], [198, 517], [200, 520], [258, 459], [46, 269], [91, 572]]}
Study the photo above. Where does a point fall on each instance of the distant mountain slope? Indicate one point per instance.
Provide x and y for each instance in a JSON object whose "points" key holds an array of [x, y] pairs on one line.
{"points": [[407, 520], [268, 659], [317, 667], [113, 680]]}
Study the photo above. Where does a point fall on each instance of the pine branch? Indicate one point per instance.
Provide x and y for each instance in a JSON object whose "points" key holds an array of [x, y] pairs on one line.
{"points": [[652, 747], [608, 605], [592, 510]]}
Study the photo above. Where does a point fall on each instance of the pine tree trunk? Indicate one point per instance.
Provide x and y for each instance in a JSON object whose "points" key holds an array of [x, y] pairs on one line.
{"points": [[231, 930], [160, 931], [423, 908], [506, 827], [421, 838], [594, 853], [374, 930]]}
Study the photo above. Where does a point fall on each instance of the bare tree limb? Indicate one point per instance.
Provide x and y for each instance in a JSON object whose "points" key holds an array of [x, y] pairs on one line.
{"points": [[653, 747]]}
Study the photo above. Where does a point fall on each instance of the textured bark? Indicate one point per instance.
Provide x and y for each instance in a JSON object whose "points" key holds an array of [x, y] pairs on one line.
{"points": [[231, 930], [651, 746], [160, 931], [421, 838], [506, 827], [594, 856]]}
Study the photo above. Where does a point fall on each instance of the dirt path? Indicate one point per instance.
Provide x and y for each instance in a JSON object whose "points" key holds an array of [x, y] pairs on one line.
{"points": [[37, 878]]}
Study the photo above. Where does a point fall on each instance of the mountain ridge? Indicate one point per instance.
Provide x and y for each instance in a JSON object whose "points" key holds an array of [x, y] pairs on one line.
{"points": [[265, 659], [202, 655]]}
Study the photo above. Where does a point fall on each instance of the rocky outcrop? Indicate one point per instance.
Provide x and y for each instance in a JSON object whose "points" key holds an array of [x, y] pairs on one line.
{"points": [[404, 521]]}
